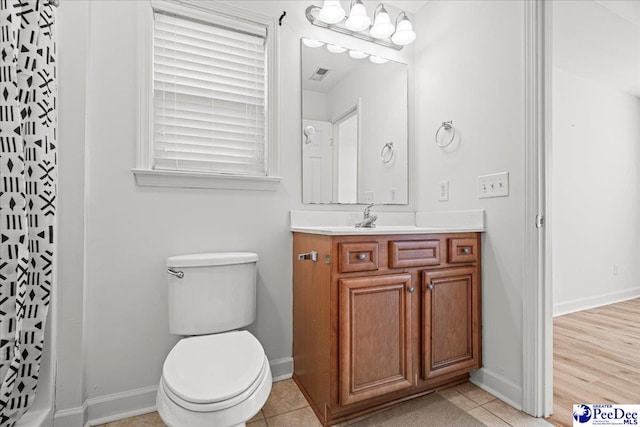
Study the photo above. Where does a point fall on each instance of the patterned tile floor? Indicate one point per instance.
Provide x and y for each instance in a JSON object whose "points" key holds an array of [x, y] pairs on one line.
{"points": [[287, 407]]}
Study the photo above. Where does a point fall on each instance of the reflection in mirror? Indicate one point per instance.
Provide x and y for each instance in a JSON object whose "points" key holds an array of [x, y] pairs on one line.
{"points": [[352, 108]]}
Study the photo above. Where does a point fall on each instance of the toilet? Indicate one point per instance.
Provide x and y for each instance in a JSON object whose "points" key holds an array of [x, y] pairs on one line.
{"points": [[217, 375]]}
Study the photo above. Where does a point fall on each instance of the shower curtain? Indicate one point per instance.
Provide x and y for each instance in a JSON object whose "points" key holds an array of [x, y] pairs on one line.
{"points": [[27, 196]]}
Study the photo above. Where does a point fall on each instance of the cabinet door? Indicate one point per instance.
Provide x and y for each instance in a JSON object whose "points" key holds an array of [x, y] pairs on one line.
{"points": [[450, 321], [375, 336]]}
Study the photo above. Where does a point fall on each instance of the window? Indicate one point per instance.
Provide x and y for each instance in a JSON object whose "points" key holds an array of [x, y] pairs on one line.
{"points": [[209, 100]]}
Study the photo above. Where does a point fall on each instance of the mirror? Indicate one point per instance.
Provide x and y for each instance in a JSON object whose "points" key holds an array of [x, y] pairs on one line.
{"points": [[354, 127]]}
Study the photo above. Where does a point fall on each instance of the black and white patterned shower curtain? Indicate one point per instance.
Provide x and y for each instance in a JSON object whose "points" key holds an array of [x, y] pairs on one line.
{"points": [[28, 88]]}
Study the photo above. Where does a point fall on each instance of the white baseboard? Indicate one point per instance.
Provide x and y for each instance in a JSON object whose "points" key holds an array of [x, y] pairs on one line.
{"points": [[114, 407], [595, 301], [281, 369], [499, 386], [70, 417], [105, 409]]}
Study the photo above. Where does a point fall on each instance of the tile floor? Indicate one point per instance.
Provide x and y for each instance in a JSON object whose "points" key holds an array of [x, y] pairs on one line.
{"points": [[287, 407]]}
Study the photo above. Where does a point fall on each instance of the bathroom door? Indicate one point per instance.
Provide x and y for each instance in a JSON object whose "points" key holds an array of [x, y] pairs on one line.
{"points": [[317, 165]]}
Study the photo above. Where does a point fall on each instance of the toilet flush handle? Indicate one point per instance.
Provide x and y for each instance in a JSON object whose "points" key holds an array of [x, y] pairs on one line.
{"points": [[178, 274]]}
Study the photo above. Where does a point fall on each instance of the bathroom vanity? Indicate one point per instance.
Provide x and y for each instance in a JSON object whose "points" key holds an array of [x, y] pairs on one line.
{"points": [[382, 315]]}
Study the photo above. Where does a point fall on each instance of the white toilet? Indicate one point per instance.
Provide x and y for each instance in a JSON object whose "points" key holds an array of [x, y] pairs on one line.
{"points": [[217, 375]]}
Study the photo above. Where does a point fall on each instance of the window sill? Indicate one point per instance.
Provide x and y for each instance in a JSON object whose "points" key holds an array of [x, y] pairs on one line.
{"points": [[178, 179]]}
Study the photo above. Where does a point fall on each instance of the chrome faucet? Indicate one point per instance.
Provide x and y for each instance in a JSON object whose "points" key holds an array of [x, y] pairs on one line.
{"points": [[368, 220]]}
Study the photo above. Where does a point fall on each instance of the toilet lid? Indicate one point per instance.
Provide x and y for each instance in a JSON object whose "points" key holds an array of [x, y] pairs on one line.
{"points": [[213, 368]]}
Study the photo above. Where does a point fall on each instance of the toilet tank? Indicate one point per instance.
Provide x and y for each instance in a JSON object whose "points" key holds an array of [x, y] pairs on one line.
{"points": [[217, 292]]}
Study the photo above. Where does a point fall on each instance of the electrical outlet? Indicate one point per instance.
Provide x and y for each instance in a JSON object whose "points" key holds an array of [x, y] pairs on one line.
{"points": [[496, 185], [368, 196], [443, 193]]}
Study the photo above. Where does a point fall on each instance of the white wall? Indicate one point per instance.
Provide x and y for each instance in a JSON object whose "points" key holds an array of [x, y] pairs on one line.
{"points": [[73, 44], [595, 156], [592, 41], [315, 105], [116, 236], [595, 193], [470, 69]]}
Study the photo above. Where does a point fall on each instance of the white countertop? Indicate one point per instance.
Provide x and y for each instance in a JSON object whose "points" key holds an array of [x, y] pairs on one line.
{"points": [[384, 229], [342, 223]]}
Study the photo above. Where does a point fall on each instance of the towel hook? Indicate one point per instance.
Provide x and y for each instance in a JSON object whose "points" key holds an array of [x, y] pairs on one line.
{"points": [[447, 126]]}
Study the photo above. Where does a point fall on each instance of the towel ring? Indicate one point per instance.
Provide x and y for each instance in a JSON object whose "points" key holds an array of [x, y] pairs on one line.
{"points": [[387, 153], [446, 126]]}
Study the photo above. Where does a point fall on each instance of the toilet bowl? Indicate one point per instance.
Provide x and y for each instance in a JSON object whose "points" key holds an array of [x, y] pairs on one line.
{"points": [[217, 380]]}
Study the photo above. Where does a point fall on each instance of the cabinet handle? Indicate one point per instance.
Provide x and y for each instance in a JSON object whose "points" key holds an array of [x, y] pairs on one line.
{"points": [[411, 289], [430, 286], [466, 251], [313, 256], [362, 256]]}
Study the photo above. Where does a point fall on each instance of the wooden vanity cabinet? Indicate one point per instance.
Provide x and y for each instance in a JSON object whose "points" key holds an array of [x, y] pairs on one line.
{"points": [[380, 319]]}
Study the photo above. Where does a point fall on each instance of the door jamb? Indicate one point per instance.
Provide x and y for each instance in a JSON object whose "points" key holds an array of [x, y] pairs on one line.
{"points": [[537, 326]]}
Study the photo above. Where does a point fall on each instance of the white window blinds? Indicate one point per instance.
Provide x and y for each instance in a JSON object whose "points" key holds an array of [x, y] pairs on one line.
{"points": [[209, 95]]}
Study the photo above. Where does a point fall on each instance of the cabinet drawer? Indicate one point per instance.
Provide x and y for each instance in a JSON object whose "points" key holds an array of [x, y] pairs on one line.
{"points": [[463, 250], [361, 256], [415, 253]]}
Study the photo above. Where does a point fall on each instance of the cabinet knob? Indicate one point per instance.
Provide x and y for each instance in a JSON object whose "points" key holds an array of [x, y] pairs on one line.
{"points": [[466, 251], [430, 286], [362, 256], [411, 289]]}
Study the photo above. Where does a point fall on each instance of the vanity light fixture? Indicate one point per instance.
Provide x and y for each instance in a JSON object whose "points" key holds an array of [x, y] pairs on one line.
{"points": [[404, 34], [358, 23], [311, 42], [357, 55], [382, 26], [358, 19], [331, 12], [377, 59], [335, 48]]}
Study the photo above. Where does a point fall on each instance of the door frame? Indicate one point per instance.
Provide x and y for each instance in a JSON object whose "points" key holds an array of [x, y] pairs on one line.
{"points": [[356, 110], [537, 320]]}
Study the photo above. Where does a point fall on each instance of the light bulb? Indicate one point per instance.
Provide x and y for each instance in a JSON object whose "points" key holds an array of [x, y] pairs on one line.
{"points": [[311, 42], [358, 19], [404, 31], [382, 26], [357, 55], [331, 12], [377, 59], [335, 49]]}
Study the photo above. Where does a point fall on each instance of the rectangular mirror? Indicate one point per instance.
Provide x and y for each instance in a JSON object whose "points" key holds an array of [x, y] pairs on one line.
{"points": [[354, 127]]}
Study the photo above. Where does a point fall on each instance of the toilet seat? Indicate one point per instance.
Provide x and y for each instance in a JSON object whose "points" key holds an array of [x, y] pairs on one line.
{"points": [[214, 372], [216, 406]]}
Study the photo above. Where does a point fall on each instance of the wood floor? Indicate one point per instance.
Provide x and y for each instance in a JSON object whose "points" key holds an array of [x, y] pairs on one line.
{"points": [[596, 358]]}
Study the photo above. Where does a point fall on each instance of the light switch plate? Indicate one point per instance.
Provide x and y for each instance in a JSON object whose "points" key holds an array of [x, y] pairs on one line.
{"points": [[495, 185]]}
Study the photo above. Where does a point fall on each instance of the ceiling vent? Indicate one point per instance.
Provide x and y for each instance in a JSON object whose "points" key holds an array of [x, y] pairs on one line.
{"points": [[319, 74]]}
